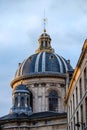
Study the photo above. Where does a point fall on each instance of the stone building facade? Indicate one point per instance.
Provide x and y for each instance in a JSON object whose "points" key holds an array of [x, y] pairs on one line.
{"points": [[38, 91], [76, 96]]}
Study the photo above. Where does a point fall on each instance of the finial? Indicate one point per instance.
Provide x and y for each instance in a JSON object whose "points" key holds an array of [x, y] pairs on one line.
{"points": [[44, 20]]}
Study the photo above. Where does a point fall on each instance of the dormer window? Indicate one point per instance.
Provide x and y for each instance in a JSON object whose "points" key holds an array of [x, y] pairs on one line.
{"points": [[51, 57], [21, 100], [30, 58]]}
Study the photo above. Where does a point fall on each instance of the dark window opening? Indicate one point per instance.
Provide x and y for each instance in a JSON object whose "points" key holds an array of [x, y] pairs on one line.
{"points": [[77, 119], [22, 101], [76, 95], [43, 84], [86, 109], [80, 85], [31, 101], [16, 101], [28, 102], [53, 101], [74, 124], [36, 84], [46, 43], [81, 115], [85, 78], [41, 44], [51, 57]]}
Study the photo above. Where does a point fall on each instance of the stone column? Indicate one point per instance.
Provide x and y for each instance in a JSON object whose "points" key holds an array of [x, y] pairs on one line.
{"points": [[19, 100], [47, 103], [43, 99], [25, 101], [13, 100], [59, 105], [36, 105], [39, 98]]}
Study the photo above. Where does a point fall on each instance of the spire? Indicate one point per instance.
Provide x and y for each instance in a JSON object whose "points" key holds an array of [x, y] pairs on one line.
{"points": [[44, 40], [45, 21]]}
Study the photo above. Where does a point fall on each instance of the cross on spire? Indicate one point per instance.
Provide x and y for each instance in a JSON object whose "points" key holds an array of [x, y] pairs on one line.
{"points": [[45, 21]]}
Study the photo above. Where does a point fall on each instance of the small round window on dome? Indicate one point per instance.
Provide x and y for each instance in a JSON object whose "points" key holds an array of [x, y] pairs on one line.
{"points": [[51, 57], [30, 58]]}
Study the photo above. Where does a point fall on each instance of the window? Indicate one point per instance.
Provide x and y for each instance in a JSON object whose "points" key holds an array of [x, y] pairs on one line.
{"points": [[85, 78], [82, 115], [31, 101], [77, 120], [41, 44], [16, 101], [86, 109], [28, 102], [36, 84], [71, 125], [45, 43], [80, 87], [73, 103], [43, 84], [22, 101], [74, 123], [52, 57], [76, 96], [53, 101]]}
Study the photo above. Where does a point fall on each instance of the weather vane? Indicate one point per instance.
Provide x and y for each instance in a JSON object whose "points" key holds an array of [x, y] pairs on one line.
{"points": [[45, 21]]}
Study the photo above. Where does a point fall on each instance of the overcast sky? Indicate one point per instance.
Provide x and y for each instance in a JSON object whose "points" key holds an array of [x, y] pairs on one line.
{"points": [[21, 23]]}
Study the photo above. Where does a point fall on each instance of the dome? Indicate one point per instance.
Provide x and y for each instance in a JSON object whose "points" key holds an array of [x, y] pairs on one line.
{"points": [[43, 62], [44, 35]]}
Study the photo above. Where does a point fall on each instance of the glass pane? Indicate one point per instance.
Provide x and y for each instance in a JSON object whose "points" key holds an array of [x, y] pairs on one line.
{"points": [[53, 101]]}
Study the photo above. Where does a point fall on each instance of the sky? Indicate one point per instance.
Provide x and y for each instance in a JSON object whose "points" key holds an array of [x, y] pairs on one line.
{"points": [[21, 23]]}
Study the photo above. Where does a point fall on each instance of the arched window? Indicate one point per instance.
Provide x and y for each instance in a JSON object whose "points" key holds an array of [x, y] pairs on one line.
{"points": [[53, 101], [16, 101], [31, 100], [22, 101], [28, 102]]}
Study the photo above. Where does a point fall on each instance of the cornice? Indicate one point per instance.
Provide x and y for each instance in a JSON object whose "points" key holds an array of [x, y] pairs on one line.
{"points": [[43, 75]]}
